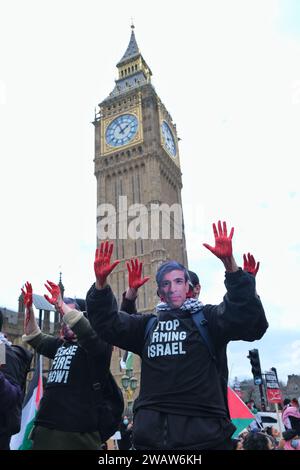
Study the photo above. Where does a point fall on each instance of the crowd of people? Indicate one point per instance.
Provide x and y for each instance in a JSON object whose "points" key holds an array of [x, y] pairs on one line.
{"points": [[268, 439], [182, 402]]}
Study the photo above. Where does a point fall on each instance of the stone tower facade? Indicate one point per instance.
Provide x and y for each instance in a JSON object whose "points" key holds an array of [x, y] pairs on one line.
{"points": [[138, 175]]}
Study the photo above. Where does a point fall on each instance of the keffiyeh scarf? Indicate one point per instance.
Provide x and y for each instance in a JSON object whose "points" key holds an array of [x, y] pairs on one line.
{"points": [[4, 340], [191, 305]]}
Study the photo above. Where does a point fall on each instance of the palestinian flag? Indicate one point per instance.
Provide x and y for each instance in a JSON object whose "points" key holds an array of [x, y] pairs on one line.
{"points": [[240, 414], [31, 403], [127, 360]]}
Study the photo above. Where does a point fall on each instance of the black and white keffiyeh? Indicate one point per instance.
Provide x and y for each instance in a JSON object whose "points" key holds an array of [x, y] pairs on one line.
{"points": [[4, 340], [191, 305]]}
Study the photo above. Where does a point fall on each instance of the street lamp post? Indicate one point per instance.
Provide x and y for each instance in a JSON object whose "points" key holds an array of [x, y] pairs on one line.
{"points": [[129, 384]]}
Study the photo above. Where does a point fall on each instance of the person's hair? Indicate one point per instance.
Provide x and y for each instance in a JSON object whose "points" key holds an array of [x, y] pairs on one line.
{"points": [[235, 443], [194, 278], [286, 401], [1, 320], [81, 304], [256, 441], [268, 430], [167, 267]]}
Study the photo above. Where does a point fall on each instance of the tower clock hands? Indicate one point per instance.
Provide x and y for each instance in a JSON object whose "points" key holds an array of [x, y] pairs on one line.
{"points": [[120, 127], [123, 129]]}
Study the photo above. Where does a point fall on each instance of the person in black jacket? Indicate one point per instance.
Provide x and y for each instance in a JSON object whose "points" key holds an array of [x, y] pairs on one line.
{"points": [[182, 404], [67, 418], [12, 386]]}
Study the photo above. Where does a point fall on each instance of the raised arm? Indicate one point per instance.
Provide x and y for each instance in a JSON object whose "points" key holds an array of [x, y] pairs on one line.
{"points": [[43, 344], [30, 323], [77, 326], [223, 246], [241, 315], [118, 328]]}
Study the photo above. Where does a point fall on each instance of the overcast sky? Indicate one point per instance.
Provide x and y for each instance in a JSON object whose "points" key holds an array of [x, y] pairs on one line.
{"points": [[229, 74]]}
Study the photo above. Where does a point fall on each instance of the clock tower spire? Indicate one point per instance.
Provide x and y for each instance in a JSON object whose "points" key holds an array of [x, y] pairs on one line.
{"points": [[133, 70], [132, 62]]}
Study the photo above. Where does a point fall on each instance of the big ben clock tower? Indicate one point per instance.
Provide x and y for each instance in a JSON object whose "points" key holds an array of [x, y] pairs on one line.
{"points": [[138, 172]]}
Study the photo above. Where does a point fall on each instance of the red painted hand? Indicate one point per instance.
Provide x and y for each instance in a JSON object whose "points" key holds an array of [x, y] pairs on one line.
{"points": [[102, 264], [250, 264], [56, 297], [135, 279], [223, 242], [27, 296]]}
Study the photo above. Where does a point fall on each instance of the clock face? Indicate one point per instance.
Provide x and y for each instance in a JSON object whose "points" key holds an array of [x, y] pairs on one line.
{"points": [[168, 138], [121, 130]]}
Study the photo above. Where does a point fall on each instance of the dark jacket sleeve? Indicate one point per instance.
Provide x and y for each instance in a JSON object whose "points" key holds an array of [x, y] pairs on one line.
{"points": [[116, 327], [46, 345], [241, 315], [10, 394], [128, 306]]}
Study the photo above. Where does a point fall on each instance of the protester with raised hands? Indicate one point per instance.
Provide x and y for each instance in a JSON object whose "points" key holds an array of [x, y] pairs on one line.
{"points": [[183, 399], [67, 418]]}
